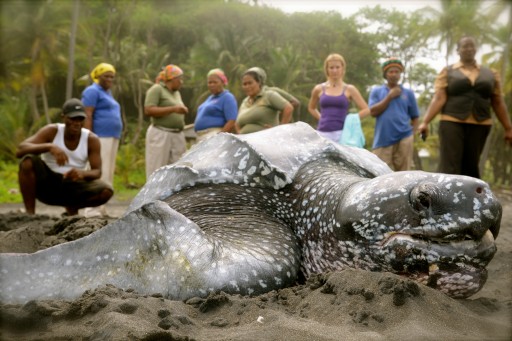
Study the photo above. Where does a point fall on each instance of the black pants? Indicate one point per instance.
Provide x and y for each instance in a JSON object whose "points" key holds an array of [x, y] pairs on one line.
{"points": [[460, 147], [53, 189]]}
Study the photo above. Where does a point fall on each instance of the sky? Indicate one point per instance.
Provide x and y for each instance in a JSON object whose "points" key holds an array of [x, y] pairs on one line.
{"points": [[347, 7]]}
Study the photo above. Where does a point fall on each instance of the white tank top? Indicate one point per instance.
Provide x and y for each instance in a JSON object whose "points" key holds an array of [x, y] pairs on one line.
{"points": [[76, 158]]}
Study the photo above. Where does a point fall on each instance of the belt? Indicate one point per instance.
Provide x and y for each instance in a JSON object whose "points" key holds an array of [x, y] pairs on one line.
{"points": [[169, 130], [206, 131]]}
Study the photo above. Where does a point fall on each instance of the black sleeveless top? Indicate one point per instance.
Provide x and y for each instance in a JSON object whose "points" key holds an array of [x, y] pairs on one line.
{"points": [[464, 98]]}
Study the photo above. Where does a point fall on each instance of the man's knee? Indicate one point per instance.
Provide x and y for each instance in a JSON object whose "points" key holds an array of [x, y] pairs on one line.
{"points": [[26, 164], [105, 195]]}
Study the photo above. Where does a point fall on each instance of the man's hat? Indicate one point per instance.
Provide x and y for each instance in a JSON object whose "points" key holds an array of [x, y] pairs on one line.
{"points": [[73, 108], [392, 62]]}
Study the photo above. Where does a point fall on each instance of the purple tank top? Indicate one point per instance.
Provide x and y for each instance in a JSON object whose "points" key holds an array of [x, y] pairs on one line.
{"points": [[333, 110]]}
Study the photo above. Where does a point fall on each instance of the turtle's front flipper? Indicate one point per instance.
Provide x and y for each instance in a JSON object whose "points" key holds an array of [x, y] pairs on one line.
{"points": [[254, 248]]}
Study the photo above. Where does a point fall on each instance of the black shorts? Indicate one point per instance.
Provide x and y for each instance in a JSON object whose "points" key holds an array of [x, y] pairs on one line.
{"points": [[53, 189]]}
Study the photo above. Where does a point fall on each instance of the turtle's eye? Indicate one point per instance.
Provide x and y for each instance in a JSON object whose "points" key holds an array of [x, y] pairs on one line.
{"points": [[422, 197], [423, 201]]}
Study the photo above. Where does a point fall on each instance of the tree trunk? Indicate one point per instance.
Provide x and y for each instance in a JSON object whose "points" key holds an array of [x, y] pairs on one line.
{"points": [[140, 111], [45, 104], [71, 59], [33, 103]]}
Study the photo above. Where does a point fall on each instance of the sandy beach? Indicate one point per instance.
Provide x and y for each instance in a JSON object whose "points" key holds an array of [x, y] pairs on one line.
{"points": [[343, 305]]}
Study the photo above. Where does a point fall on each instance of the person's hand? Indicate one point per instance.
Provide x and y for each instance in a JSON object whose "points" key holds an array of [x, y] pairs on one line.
{"points": [[395, 92], [74, 174], [60, 157], [181, 109], [423, 131]]}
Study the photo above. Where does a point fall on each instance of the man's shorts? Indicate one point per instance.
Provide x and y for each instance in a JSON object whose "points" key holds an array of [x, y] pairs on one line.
{"points": [[53, 189]]}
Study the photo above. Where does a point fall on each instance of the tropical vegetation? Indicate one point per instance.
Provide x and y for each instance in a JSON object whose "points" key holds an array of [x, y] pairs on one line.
{"points": [[48, 47]]}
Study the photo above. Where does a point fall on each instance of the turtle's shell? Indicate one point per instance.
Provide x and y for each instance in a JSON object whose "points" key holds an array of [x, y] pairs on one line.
{"points": [[270, 158]]}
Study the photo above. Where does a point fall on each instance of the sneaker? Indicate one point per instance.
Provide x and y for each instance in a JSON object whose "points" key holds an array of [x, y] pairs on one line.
{"points": [[100, 211]]}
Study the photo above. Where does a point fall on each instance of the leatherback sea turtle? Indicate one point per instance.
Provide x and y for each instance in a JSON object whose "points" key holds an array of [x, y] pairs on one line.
{"points": [[248, 214]]}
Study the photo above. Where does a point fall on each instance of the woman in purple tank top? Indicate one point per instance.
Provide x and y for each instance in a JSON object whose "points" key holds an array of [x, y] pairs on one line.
{"points": [[334, 98]]}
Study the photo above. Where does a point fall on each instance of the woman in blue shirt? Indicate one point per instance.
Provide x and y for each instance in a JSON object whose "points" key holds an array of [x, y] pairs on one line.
{"points": [[104, 119], [218, 113]]}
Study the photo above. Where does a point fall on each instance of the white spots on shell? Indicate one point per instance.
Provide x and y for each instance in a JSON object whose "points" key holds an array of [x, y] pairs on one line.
{"points": [[239, 151], [234, 284], [243, 162], [279, 182], [225, 172]]}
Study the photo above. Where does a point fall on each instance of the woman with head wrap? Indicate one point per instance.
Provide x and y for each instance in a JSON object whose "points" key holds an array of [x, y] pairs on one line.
{"points": [[218, 113], [260, 109], [334, 98], [286, 95], [165, 141], [104, 119]]}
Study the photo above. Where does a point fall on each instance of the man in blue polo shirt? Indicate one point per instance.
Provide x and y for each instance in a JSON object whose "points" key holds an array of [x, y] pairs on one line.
{"points": [[397, 115]]}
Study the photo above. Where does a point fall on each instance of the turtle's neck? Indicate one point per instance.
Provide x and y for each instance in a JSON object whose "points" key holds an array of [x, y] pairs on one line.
{"points": [[316, 194]]}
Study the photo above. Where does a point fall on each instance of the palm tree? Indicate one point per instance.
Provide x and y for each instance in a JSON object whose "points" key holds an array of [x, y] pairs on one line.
{"points": [[458, 18], [501, 41]]}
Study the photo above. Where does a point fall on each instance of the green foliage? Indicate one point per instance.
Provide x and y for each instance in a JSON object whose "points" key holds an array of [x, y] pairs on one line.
{"points": [[9, 189], [140, 37], [15, 124], [421, 78], [130, 159], [126, 192]]}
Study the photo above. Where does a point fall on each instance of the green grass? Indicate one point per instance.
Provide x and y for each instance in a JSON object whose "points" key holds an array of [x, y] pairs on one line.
{"points": [[126, 187], [9, 189]]}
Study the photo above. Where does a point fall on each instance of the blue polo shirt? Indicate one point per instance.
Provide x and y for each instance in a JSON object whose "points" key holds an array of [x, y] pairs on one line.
{"points": [[394, 124], [216, 111], [106, 121]]}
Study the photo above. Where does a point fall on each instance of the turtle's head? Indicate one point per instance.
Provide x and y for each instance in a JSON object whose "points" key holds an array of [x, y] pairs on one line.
{"points": [[435, 228]]}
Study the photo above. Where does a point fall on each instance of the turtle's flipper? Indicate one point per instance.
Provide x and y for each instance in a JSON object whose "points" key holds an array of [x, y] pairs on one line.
{"points": [[156, 249]]}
